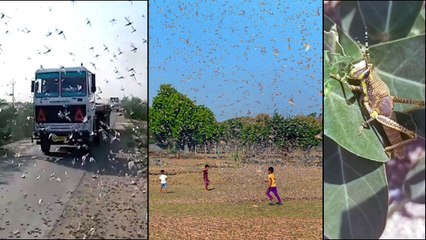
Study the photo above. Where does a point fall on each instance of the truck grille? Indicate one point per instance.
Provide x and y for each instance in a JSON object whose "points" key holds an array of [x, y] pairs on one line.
{"points": [[60, 114]]}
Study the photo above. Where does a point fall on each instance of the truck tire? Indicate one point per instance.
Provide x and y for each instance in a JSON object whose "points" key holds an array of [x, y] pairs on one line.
{"points": [[45, 147], [97, 138]]}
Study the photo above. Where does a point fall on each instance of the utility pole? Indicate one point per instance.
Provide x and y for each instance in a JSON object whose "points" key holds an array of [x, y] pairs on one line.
{"points": [[13, 92]]}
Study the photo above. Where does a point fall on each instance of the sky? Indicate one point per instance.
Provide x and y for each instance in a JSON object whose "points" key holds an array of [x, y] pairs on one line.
{"points": [[239, 58], [29, 29]]}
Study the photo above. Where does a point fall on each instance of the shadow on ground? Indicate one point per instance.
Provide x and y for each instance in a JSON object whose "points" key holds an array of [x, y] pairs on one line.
{"points": [[109, 157], [9, 165]]}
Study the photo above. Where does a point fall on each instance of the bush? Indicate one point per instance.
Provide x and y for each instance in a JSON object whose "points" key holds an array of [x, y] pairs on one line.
{"points": [[15, 122], [135, 108]]}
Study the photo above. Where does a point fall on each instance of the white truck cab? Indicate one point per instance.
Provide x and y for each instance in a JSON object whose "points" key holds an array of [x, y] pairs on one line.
{"points": [[115, 103], [65, 111]]}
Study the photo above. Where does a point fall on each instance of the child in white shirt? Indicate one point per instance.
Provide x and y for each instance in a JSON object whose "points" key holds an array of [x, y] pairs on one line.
{"points": [[163, 181]]}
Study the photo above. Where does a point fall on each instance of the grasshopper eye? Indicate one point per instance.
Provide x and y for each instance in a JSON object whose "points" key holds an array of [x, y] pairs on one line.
{"points": [[367, 73]]}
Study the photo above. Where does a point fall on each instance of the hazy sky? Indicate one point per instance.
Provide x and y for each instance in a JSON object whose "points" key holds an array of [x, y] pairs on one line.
{"points": [[29, 29], [239, 58]]}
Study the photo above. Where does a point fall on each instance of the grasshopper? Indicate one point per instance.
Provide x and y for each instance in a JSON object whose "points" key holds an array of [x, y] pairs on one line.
{"points": [[378, 101]]}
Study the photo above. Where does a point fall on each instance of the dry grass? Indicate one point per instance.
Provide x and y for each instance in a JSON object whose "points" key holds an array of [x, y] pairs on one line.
{"points": [[237, 207]]}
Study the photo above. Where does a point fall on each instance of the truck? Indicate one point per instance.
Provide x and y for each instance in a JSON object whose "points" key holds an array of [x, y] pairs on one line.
{"points": [[115, 103], [65, 108]]}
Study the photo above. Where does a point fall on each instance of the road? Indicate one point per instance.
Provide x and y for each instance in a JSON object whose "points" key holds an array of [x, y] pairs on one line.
{"points": [[35, 189]]}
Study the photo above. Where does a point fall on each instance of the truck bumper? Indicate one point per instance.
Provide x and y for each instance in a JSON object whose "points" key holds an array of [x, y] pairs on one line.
{"points": [[62, 138]]}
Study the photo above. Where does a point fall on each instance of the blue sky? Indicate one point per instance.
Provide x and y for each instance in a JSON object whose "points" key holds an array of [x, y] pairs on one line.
{"points": [[239, 58], [29, 29]]}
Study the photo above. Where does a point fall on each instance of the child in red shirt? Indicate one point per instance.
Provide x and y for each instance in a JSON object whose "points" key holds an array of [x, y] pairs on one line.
{"points": [[206, 177]]}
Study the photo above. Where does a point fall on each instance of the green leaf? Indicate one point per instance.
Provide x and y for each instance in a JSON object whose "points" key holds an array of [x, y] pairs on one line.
{"points": [[418, 117], [419, 24], [355, 194], [404, 79], [414, 186], [389, 20], [333, 34], [351, 19], [404, 74], [341, 120], [413, 120], [386, 21]]}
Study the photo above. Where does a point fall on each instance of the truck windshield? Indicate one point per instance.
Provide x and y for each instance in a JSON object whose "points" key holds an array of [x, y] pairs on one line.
{"points": [[73, 84], [47, 84]]}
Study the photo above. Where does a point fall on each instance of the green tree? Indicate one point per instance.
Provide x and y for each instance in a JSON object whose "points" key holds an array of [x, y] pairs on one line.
{"points": [[6, 116], [15, 122], [171, 117], [206, 128], [22, 124], [135, 108], [256, 130]]}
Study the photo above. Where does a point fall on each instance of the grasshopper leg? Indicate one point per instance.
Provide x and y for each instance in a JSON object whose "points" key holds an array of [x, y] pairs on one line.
{"points": [[391, 124], [342, 80], [394, 125], [408, 101], [364, 125]]}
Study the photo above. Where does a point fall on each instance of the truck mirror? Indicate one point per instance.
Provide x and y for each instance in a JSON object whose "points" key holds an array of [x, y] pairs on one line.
{"points": [[93, 83], [32, 85]]}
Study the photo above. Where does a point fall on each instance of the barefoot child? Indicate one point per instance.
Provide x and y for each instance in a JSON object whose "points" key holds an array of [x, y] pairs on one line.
{"points": [[272, 187], [206, 177], [163, 181]]}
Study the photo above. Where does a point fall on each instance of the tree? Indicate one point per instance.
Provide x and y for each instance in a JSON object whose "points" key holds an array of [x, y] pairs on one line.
{"points": [[205, 125], [135, 108], [171, 117], [15, 122]]}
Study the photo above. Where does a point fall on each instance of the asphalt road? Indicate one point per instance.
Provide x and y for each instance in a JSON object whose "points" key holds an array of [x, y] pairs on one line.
{"points": [[35, 188]]}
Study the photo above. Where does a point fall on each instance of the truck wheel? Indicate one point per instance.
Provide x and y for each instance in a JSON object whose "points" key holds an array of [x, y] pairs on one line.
{"points": [[45, 147], [97, 138]]}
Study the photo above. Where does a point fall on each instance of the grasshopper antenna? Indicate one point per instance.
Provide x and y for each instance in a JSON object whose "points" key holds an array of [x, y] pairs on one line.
{"points": [[367, 49], [364, 53], [359, 45]]}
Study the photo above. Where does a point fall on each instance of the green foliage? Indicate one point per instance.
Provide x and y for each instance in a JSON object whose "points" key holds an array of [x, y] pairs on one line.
{"points": [[298, 131], [355, 187], [386, 21], [15, 122], [355, 194], [205, 125], [174, 118], [414, 186], [6, 114], [135, 108]]}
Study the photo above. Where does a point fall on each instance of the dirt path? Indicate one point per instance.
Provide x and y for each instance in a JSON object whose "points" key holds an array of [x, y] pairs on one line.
{"points": [[64, 196], [105, 207], [110, 205]]}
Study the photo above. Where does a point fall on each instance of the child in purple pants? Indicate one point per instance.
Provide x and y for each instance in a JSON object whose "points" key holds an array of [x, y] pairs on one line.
{"points": [[206, 177], [272, 187]]}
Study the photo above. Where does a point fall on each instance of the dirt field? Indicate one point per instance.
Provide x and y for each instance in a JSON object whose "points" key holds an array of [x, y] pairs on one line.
{"points": [[236, 207]]}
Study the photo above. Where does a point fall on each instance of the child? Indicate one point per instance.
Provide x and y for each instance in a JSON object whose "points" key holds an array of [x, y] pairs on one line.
{"points": [[272, 187], [163, 181], [206, 177]]}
